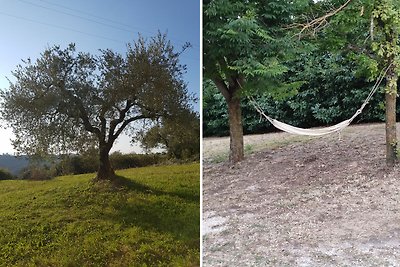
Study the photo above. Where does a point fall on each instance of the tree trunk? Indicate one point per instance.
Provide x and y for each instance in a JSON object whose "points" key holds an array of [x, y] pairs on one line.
{"points": [[236, 130], [230, 93], [391, 139], [105, 171]]}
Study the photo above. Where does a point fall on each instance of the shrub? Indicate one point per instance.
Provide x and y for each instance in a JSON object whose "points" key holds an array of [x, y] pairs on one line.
{"points": [[6, 175], [77, 164], [126, 161], [88, 163], [37, 173]]}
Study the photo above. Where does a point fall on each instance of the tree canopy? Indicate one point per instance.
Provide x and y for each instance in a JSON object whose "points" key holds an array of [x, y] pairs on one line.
{"points": [[179, 135], [244, 46], [67, 101]]}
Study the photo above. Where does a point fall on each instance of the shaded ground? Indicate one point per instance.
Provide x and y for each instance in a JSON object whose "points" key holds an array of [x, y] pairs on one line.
{"points": [[303, 202]]}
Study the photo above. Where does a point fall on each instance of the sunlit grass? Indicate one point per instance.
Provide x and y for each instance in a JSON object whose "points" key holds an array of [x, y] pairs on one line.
{"points": [[151, 219]]}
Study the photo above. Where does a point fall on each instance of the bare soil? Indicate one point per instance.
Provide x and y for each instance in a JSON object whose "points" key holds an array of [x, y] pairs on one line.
{"points": [[302, 202]]}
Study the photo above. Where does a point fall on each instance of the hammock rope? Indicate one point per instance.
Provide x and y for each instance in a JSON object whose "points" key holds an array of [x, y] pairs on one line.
{"points": [[325, 130]]}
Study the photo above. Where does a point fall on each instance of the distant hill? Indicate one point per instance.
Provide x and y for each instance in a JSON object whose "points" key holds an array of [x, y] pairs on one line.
{"points": [[12, 163]]}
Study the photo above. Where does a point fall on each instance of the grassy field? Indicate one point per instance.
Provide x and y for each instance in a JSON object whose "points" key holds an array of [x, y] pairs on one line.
{"points": [[151, 219]]}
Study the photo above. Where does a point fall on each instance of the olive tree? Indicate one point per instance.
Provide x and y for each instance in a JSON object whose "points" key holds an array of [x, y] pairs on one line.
{"points": [[178, 135], [67, 101]]}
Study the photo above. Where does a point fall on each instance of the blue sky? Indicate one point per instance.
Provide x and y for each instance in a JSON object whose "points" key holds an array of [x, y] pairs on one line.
{"points": [[30, 26]]}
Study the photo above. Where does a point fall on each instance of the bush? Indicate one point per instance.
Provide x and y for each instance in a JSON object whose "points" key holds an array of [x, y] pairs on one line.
{"points": [[77, 164], [215, 111], [6, 175], [88, 163], [126, 161], [37, 173]]}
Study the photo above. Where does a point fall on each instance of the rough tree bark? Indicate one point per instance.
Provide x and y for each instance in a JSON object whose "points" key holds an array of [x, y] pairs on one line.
{"points": [[230, 93], [386, 21], [105, 171], [235, 130], [390, 97]]}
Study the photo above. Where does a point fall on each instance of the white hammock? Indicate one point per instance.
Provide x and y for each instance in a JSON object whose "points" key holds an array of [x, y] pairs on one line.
{"points": [[326, 130], [311, 132]]}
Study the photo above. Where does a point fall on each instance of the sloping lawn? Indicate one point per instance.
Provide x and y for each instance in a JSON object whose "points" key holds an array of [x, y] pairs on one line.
{"points": [[151, 219]]}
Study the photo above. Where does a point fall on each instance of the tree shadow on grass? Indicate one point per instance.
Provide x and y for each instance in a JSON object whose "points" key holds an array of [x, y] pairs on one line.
{"points": [[176, 213], [123, 182]]}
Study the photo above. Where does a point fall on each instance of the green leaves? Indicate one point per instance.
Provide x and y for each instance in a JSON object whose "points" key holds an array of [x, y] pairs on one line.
{"points": [[178, 135], [247, 40], [66, 100], [386, 15], [385, 10], [251, 67], [367, 67]]}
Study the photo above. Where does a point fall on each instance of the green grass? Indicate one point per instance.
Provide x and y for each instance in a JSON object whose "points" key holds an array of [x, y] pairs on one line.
{"points": [[248, 149], [151, 219], [220, 157]]}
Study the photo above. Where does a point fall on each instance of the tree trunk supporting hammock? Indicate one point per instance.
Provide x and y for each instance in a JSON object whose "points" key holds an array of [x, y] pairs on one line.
{"points": [[326, 130]]}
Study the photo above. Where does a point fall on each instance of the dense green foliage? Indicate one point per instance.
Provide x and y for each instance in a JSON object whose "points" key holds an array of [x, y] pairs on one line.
{"points": [[150, 219], [246, 41], [179, 135], [121, 161], [215, 113], [86, 163], [37, 172], [44, 169], [331, 93], [5, 175]]}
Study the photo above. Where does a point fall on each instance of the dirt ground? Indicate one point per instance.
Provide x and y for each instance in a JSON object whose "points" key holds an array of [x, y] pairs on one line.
{"points": [[302, 202]]}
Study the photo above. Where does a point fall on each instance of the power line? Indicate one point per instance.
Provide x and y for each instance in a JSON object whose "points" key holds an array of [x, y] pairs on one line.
{"points": [[75, 16], [89, 14], [91, 20], [60, 27], [78, 31]]}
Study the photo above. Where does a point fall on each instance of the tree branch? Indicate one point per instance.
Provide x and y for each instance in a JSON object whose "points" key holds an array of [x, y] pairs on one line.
{"points": [[122, 114], [318, 23], [114, 136], [85, 118], [81, 108], [222, 87], [103, 124], [363, 50]]}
